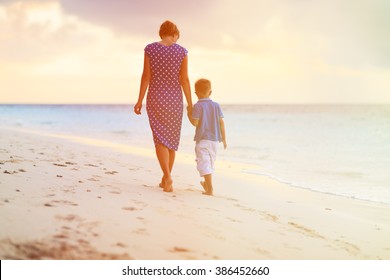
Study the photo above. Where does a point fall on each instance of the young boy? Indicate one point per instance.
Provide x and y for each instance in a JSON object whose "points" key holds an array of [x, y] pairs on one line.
{"points": [[207, 117]]}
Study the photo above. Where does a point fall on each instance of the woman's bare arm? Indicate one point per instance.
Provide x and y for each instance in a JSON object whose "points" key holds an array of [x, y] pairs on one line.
{"points": [[145, 79]]}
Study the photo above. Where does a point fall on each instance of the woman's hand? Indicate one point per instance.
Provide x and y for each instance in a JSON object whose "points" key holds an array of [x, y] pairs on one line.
{"points": [[189, 110], [137, 108]]}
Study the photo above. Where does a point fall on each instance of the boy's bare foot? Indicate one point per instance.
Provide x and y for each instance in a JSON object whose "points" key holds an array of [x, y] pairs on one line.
{"points": [[204, 185], [207, 193], [207, 189]]}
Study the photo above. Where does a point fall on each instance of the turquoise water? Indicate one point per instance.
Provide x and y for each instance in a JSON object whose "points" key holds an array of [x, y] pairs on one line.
{"points": [[338, 149]]}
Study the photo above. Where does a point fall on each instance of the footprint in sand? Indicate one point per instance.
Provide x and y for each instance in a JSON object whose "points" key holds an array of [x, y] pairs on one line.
{"points": [[136, 168], [82, 241], [269, 216], [115, 192], [263, 251], [68, 218], [245, 208], [212, 209], [61, 236], [141, 231], [53, 203], [111, 172], [306, 231], [129, 208], [349, 247], [10, 172], [184, 252], [139, 202], [60, 164], [234, 220], [180, 250], [94, 178], [90, 164]]}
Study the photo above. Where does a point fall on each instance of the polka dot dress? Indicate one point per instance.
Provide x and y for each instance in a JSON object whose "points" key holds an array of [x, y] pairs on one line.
{"points": [[164, 102]]}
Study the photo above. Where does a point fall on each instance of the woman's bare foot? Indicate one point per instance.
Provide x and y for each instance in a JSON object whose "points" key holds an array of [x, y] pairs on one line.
{"points": [[168, 185], [161, 185]]}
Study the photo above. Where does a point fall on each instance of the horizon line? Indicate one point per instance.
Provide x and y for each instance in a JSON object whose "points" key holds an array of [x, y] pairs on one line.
{"points": [[228, 103]]}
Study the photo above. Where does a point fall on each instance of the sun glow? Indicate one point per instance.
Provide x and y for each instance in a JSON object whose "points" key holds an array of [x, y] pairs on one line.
{"points": [[271, 52]]}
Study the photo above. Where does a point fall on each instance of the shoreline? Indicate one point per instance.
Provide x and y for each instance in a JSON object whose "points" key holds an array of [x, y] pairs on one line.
{"points": [[297, 186], [85, 200], [181, 157]]}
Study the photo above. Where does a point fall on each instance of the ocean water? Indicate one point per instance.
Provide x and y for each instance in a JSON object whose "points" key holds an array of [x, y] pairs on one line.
{"points": [[337, 149]]}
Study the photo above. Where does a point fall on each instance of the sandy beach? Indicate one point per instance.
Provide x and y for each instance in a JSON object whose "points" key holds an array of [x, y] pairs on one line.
{"points": [[65, 197]]}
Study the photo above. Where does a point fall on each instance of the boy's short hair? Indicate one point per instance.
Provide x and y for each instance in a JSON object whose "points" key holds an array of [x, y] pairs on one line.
{"points": [[202, 86], [168, 28]]}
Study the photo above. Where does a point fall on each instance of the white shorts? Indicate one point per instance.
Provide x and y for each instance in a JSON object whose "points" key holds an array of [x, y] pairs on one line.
{"points": [[206, 153]]}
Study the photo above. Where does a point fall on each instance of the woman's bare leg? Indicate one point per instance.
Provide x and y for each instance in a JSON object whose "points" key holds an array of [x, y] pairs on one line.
{"points": [[166, 164], [172, 155]]}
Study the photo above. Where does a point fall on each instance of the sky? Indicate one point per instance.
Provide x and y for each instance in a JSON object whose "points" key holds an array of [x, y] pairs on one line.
{"points": [[253, 51]]}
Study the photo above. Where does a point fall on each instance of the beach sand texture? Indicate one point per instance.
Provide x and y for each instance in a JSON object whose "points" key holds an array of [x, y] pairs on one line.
{"points": [[63, 197]]}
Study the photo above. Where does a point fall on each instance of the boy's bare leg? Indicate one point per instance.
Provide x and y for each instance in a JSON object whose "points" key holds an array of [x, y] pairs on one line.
{"points": [[207, 184], [203, 185]]}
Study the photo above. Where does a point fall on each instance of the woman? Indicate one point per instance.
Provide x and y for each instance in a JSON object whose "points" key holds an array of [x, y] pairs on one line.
{"points": [[165, 74]]}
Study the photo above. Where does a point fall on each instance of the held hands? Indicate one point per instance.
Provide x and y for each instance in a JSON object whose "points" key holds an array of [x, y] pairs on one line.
{"points": [[189, 111], [137, 108], [194, 122]]}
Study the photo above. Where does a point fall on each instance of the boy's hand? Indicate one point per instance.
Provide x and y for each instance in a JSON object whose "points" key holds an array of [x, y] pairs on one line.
{"points": [[224, 144], [194, 122]]}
